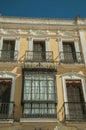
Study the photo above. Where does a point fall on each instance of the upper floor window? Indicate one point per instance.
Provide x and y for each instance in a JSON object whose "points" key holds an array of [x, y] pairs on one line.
{"points": [[9, 49], [70, 53], [39, 50]]}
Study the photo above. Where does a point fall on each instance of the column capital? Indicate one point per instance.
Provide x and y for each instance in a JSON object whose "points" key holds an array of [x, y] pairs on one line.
{"points": [[76, 39], [0, 37], [59, 39], [18, 38], [47, 39], [29, 38]]}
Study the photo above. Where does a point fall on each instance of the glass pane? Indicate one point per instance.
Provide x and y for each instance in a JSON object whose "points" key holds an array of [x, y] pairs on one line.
{"points": [[27, 83], [28, 77], [27, 109], [43, 108], [51, 83], [49, 77], [42, 77], [27, 96], [51, 97], [51, 89], [35, 108], [51, 109], [43, 96], [43, 83]]}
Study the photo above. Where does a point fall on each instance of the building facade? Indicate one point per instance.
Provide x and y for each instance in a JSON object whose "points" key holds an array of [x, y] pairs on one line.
{"points": [[42, 74]]}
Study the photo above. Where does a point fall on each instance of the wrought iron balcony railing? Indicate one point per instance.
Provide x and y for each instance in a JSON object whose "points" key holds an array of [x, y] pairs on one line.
{"points": [[6, 110], [75, 111], [71, 57], [41, 111], [8, 56], [36, 56]]}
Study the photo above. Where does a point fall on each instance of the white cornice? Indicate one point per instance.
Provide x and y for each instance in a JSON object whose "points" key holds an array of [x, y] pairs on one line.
{"points": [[44, 24]]}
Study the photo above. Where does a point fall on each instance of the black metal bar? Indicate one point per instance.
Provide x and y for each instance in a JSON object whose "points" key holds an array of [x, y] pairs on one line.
{"points": [[46, 56], [8, 56], [6, 110], [38, 112], [75, 110], [71, 57], [39, 116]]}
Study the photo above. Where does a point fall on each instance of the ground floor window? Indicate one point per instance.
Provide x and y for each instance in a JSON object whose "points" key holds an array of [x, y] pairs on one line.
{"points": [[6, 105], [74, 97], [39, 94]]}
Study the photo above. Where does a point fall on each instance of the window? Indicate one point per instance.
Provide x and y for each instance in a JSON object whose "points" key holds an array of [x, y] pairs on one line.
{"points": [[5, 92], [74, 98], [39, 94], [70, 52], [8, 50], [39, 50]]}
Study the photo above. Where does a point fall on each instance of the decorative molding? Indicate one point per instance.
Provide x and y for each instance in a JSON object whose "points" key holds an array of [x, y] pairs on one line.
{"points": [[47, 39], [76, 39], [29, 38], [6, 74], [17, 38], [59, 39]]}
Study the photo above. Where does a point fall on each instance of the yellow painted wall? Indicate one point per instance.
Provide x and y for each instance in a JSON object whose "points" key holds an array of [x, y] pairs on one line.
{"points": [[61, 69]]}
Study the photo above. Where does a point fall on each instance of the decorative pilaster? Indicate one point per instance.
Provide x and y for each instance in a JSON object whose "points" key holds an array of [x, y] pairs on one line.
{"points": [[47, 41], [83, 44], [1, 44], [17, 45], [30, 43], [59, 41], [47, 44]]}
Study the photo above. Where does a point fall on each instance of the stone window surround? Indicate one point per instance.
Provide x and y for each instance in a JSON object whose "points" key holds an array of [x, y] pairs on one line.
{"points": [[17, 44], [7, 75], [72, 76]]}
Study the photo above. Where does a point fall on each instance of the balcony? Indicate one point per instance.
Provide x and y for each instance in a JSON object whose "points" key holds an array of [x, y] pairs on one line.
{"points": [[6, 110], [8, 56], [73, 111], [38, 56], [71, 57]]}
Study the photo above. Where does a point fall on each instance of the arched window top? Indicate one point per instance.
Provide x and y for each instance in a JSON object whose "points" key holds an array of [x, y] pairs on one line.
{"points": [[7, 74], [73, 75]]}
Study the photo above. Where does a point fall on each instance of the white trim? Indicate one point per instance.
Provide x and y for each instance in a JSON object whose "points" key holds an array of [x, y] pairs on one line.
{"points": [[83, 43], [47, 47], [30, 45], [60, 44], [30, 48], [47, 44], [24, 120], [76, 44], [1, 44], [17, 43]]}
